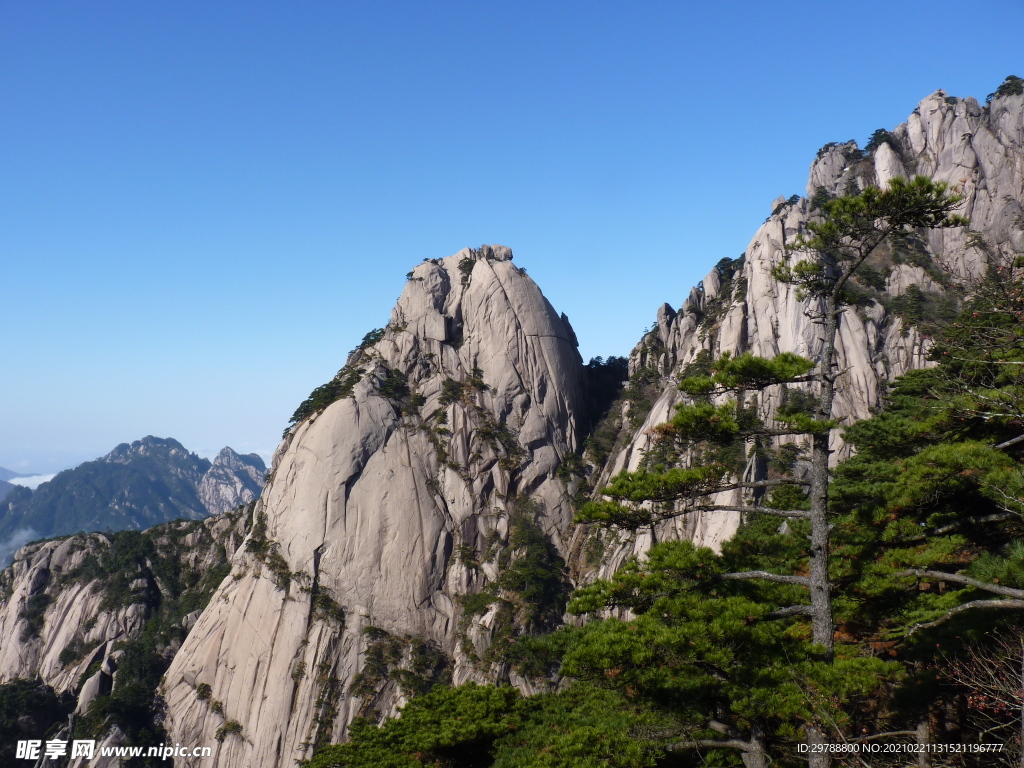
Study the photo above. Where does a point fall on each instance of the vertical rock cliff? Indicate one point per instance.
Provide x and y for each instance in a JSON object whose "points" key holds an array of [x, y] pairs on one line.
{"points": [[379, 511], [739, 307], [409, 486], [69, 604]]}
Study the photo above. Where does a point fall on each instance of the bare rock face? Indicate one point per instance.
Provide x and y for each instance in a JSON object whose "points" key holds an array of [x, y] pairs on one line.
{"points": [[404, 472], [62, 614], [42, 616], [230, 481], [740, 307], [463, 406]]}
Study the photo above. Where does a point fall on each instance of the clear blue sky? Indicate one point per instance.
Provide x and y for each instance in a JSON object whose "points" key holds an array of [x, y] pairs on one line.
{"points": [[205, 205]]}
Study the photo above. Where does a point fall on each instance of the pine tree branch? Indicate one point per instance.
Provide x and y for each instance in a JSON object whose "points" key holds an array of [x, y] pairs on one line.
{"points": [[885, 735], [744, 746], [862, 255], [790, 513], [765, 432], [759, 484], [1008, 443], [803, 581], [942, 530], [722, 389], [957, 578], [734, 742], [737, 486], [974, 604], [971, 521], [715, 725], [792, 610]]}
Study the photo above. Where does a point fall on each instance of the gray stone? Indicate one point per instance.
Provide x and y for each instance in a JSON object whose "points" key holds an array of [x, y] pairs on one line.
{"points": [[231, 481], [980, 153], [363, 504], [97, 685]]}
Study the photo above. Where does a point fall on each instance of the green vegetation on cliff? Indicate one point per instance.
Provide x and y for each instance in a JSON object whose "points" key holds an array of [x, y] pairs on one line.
{"points": [[135, 486], [175, 590], [691, 657], [172, 570], [29, 710], [928, 578]]}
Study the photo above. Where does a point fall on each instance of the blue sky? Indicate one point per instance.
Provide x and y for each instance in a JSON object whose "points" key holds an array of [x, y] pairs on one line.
{"points": [[204, 206]]}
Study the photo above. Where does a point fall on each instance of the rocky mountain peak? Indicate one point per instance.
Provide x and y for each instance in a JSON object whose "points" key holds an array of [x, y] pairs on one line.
{"points": [[408, 487], [229, 458], [740, 307], [166, 448], [231, 480], [388, 496], [468, 401], [134, 486]]}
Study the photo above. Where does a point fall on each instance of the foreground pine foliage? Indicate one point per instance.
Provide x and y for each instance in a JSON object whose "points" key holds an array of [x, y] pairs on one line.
{"points": [[691, 658]]}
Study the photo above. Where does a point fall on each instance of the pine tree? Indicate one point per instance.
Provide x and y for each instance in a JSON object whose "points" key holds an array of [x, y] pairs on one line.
{"points": [[697, 456], [701, 646], [937, 474], [692, 655]]}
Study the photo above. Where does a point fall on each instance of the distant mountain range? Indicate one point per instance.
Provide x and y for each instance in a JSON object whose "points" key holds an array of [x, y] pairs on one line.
{"points": [[7, 474], [6, 487], [420, 522], [9, 478], [135, 486]]}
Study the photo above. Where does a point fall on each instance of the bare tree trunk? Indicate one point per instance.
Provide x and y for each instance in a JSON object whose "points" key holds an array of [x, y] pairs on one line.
{"points": [[822, 627], [843, 243], [923, 738], [822, 624], [816, 758], [755, 756]]}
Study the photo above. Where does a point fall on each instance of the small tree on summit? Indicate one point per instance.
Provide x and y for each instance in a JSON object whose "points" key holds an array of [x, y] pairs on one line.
{"points": [[702, 450]]}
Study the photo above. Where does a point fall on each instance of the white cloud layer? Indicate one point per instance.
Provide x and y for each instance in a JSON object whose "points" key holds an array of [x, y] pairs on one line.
{"points": [[17, 540], [32, 481]]}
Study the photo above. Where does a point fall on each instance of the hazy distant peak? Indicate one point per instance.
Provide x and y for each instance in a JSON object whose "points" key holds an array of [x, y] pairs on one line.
{"points": [[138, 484], [164, 447], [230, 458]]}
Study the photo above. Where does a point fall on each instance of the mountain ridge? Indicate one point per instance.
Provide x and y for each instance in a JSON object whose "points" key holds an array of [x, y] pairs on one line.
{"points": [[133, 486], [389, 549], [740, 307], [9, 474]]}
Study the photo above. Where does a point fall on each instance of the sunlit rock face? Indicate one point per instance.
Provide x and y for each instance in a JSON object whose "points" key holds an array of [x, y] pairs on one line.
{"points": [[58, 617], [231, 480], [369, 501], [978, 151], [382, 502]]}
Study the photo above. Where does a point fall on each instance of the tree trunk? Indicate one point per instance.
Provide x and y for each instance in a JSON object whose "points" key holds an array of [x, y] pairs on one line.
{"points": [[754, 759], [815, 741], [822, 626], [755, 756], [923, 738]]}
